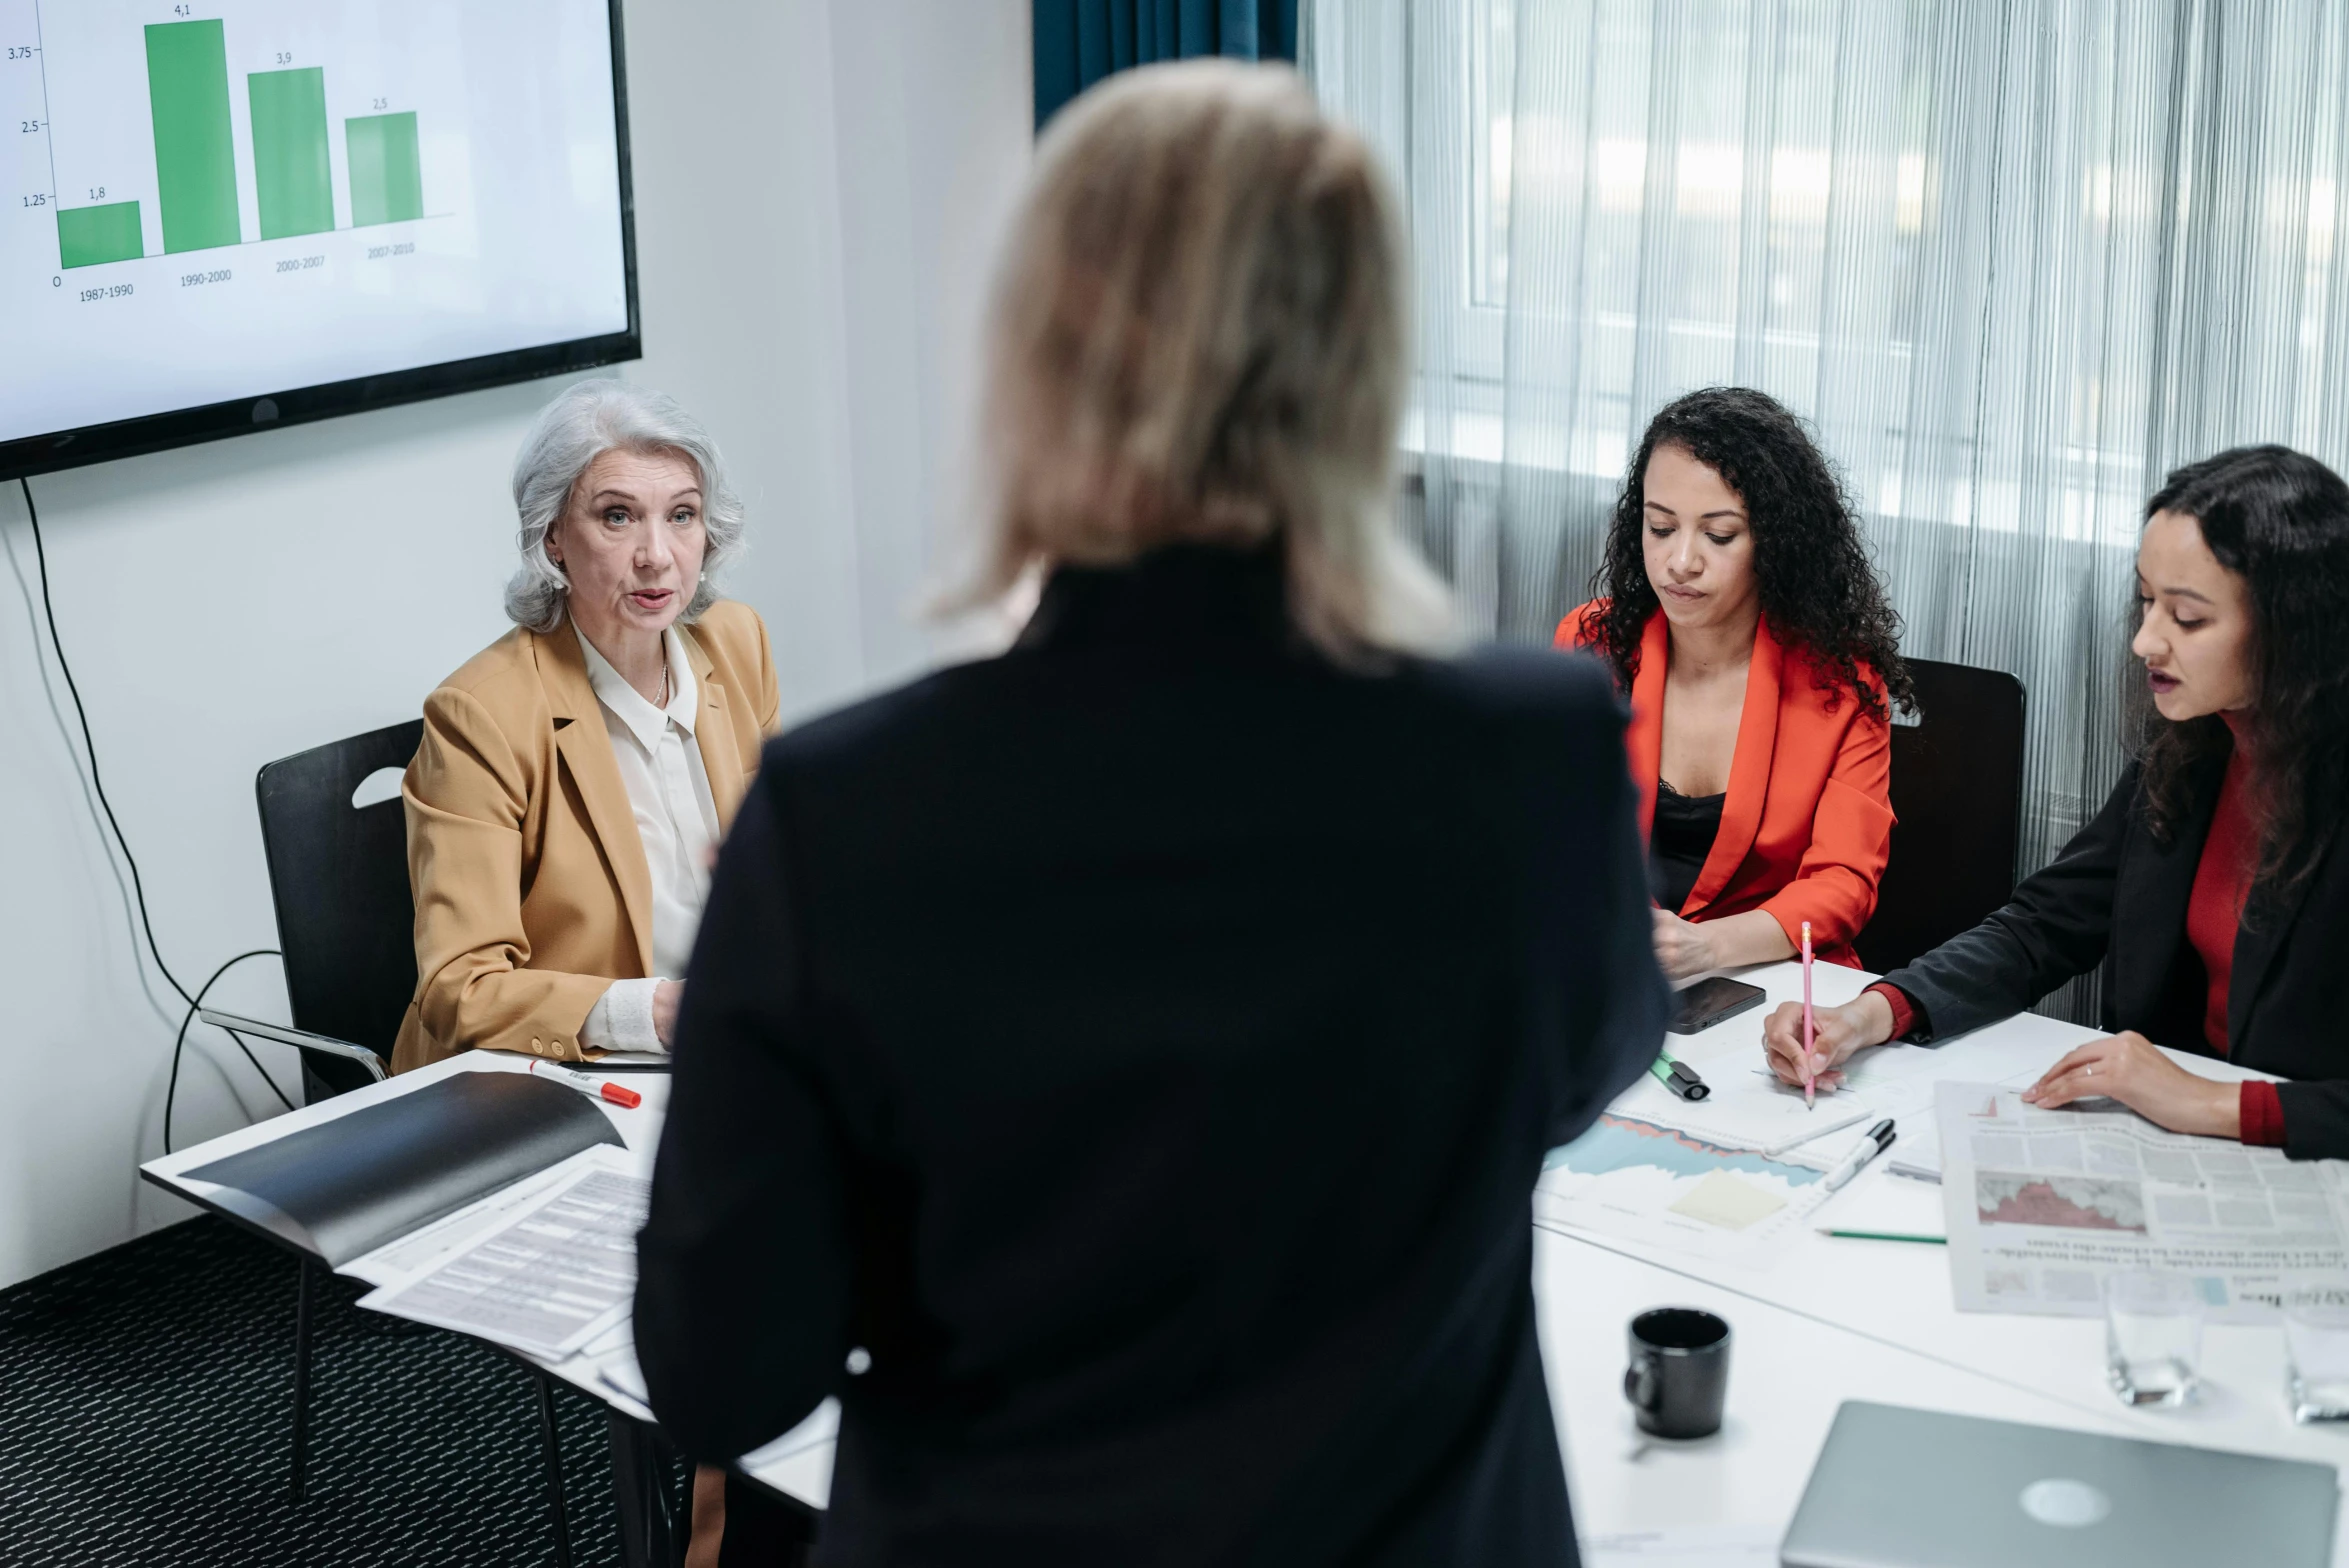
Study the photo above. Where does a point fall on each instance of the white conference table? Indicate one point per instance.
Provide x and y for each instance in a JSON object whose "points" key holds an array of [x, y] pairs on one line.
{"points": [[1830, 1319], [1835, 1318]]}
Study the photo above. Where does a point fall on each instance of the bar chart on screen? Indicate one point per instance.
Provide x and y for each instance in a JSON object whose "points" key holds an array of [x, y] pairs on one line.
{"points": [[167, 130], [212, 200]]}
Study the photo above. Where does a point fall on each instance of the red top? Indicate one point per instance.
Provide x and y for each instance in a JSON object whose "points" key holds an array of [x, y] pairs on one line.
{"points": [[2222, 880], [2214, 911], [1807, 824]]}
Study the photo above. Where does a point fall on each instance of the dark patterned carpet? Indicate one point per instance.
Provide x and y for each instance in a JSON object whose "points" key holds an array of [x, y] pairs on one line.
{"points": [[144, 1408]]}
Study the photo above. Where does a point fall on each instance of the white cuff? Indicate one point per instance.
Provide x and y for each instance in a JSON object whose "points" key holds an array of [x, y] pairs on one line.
{"points": [[622, 1018]]}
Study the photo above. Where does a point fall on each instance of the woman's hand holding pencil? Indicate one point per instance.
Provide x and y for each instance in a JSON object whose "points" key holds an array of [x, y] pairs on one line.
{"points": [[1836, 1033]]}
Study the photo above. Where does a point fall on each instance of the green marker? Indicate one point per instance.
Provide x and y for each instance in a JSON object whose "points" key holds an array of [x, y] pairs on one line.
{"points": [[1678, 1077]]}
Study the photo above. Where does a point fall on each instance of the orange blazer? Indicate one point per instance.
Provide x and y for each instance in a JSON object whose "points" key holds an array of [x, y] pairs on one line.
{"points": [[532, 891], [1808, 823]]}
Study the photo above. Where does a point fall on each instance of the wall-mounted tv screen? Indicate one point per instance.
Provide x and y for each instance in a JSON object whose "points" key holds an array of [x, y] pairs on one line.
{"points": [[224, 215]]}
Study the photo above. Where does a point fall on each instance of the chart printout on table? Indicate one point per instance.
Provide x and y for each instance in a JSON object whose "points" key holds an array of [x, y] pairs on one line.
{"points": [[1647, 1182]]}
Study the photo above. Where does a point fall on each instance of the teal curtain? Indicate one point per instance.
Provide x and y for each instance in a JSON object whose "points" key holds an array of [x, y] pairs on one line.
{"points": [[1078, 42]]}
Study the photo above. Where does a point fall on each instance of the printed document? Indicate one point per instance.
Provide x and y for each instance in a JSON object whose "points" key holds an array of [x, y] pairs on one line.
{"points": [[551, 1275], [2041, 1205], [400, 1260]]}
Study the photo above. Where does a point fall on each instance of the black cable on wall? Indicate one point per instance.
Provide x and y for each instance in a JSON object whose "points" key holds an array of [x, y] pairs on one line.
{"points": [[138, 884]]}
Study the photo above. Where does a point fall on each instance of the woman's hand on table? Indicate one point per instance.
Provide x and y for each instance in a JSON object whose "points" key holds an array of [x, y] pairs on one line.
{"points": [[1836, 1033], [666, 996], [2131, 1069], [1683, 947]]}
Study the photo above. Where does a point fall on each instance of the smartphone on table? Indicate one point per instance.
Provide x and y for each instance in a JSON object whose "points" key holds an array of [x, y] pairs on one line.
{"points": [[1709, 1002]]}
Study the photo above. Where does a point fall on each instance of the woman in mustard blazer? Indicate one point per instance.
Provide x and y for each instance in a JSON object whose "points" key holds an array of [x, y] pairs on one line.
{"points": [[576, 775], [1742, 618]]}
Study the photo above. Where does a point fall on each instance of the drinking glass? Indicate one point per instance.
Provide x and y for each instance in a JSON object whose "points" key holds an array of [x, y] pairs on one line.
{"points": [[2316, 1344], [2152, 1336]]}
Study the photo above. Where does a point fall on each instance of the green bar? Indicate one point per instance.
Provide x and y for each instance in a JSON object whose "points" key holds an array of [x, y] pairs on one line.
{"points": [[195, 161], [87, 236], [290, 172], [387, 176]]}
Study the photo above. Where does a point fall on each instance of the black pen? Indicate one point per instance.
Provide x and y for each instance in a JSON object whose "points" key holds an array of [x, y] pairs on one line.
{"points": [[1878, 1140]]}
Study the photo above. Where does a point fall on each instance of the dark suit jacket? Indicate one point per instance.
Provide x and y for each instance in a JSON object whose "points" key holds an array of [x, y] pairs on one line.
{"points": [[2117, 897], [1145, 1043]]}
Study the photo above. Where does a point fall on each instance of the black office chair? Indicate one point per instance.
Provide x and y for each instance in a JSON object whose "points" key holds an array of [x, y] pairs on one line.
{"points": [[1957, 788], [338, 874]]}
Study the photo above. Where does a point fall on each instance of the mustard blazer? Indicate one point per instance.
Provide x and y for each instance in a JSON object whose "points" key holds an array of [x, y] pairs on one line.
{"points": [[532, 891]]}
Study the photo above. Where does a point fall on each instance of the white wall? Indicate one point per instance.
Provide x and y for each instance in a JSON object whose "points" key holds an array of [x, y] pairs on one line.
{"points": [[819, 185]]}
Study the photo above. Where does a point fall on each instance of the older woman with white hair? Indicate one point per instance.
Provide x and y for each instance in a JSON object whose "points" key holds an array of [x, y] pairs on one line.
{"points": [[576, 775], [1118, 1070]]}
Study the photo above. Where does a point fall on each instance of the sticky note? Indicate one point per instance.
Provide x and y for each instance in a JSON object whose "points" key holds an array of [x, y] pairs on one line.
{"points": [[1721, 1199]]}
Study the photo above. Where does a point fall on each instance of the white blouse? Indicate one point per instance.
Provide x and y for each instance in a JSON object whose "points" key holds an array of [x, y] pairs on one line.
{"points": [[676, 817]]}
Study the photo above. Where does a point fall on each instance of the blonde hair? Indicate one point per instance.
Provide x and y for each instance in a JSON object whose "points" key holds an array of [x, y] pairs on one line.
{"points": [[1199, 336]]}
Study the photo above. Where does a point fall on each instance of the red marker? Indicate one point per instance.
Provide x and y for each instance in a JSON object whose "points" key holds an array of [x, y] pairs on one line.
{"points": [[617, 1094]]}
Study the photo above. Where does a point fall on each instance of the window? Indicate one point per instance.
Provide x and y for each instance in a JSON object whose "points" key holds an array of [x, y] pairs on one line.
{"points": [[2012, 263]]}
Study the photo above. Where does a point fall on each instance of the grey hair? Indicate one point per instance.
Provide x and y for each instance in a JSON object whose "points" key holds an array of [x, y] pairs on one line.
{"points": [[588, 419]]}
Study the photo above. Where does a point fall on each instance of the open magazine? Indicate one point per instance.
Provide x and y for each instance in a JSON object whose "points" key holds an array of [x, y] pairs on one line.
{"points": [[347, 1186]]}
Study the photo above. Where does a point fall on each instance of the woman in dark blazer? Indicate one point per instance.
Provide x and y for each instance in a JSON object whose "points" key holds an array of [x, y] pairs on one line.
{"points": [[2211, 887], [1143, 1045]]}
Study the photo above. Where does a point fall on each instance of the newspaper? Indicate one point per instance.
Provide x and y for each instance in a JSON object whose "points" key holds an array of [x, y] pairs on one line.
{"points": [[2042, 1205]]}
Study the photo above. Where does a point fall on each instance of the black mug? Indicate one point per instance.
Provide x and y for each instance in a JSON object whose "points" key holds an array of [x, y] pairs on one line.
{"points": [[1679, 1372]]}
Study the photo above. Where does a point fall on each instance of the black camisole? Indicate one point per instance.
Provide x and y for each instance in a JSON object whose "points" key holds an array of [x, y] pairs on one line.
{"points": [[1683, 836]]}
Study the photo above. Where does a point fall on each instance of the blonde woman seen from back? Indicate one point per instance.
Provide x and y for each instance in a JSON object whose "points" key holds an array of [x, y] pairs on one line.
{"points": [[1142, 1045]]}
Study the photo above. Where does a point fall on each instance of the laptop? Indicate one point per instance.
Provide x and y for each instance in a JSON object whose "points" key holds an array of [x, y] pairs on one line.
{"points": [[1900, 1488]]}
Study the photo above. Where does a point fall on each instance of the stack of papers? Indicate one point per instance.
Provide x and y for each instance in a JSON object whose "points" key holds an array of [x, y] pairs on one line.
{"points": [[1737, 1175], [1747, 1109], [550, 1271], [1881, 1206]]}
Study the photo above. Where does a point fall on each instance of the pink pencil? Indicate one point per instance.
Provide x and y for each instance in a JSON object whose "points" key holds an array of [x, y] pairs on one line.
{"points": [[1810, 1083]]}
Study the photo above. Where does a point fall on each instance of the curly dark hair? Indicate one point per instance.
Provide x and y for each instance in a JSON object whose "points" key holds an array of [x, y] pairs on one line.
{"points": [[2280, 521], [1818, 591]]}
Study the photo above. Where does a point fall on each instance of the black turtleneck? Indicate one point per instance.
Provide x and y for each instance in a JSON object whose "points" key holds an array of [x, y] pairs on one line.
{"points": [[1186, 594]]}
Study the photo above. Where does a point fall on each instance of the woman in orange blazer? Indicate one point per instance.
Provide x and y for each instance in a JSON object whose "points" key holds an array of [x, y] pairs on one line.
{"points": [[1741, 616]]}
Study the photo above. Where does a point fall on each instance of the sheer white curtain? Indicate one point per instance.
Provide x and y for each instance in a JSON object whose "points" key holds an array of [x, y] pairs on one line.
{"points": [[2013, 259]]}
